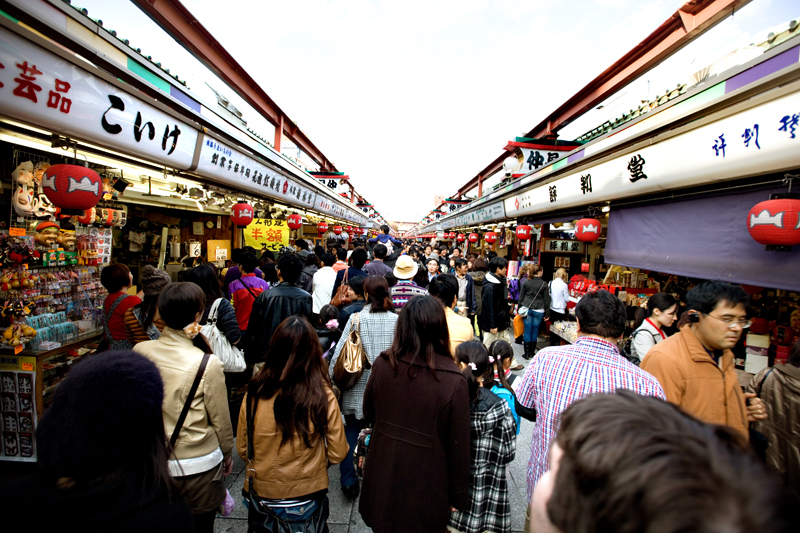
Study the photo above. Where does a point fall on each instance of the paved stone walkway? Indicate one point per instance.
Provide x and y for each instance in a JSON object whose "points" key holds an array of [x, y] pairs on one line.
{"points": [[344, 515]]}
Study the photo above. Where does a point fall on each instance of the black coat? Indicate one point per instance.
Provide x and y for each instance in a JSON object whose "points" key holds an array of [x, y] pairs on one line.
{"points": [[495, 312], [270, 309], [419, 456]]}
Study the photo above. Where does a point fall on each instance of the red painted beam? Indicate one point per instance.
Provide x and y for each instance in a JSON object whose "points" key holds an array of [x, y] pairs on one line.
{"points": [[689, 22], [179, 23], [551, 147]]}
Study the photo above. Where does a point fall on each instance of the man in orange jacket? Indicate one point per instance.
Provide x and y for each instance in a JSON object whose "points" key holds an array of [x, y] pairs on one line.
{"points": [[695, 366]]}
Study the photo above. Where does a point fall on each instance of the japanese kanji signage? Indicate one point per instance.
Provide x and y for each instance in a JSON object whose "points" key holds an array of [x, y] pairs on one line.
{"points": [[561, 246], [222, 162], [41, 88], [486, 213], [268, 233], [764, 138]]}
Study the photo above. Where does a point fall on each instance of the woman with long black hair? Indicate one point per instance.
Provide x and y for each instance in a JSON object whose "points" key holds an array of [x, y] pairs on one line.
{"points": [[417, 399], [290, 429]]}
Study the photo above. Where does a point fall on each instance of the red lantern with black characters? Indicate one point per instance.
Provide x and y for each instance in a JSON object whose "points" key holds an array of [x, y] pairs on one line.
{"points": [[294, 221], [461, 237], [242, 214], [322, 227], [524, 233], [490, 237], [337, 230], [588, 229], [73, 188], [776, 222], [473, 238]]}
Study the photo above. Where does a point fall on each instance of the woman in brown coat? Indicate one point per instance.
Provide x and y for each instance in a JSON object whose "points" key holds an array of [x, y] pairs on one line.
{"points": [[419, 455], [142, 322]]}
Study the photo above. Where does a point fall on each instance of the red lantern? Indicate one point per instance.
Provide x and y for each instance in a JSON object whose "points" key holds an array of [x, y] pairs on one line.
{"points": [[775, 222], [452, 235], [242, 214], [109, 217], [473, 238], [294, 221], [88, 217], [461, 237], [337, 230], [588, 229], [490, 237], [73, 188], [322, 227], [524, 233]]}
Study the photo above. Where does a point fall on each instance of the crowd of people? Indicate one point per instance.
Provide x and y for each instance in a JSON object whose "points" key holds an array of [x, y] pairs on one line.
{"points": [[141, 436]]}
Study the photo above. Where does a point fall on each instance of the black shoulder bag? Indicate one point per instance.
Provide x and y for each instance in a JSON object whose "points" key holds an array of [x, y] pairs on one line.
{"points": [[186, 406]]}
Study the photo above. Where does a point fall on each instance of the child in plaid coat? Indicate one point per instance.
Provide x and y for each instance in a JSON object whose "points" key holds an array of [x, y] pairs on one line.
{"points": [[492, 446]]}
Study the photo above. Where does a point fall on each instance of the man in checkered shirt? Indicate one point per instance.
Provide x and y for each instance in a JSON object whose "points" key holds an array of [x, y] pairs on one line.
{"points": [[560, 375]]}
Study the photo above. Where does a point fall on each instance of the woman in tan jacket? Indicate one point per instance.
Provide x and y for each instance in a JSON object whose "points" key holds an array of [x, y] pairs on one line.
{"points": [[202, 454], [290, 429], [142, 322]]}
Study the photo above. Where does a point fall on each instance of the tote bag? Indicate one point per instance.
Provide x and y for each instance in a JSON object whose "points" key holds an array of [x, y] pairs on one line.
{"points": [[231, 357]]}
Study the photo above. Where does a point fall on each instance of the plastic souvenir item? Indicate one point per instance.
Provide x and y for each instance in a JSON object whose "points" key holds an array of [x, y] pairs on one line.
{"points": [[46, 234], [23, 174], [66, 235], [22, 200]]}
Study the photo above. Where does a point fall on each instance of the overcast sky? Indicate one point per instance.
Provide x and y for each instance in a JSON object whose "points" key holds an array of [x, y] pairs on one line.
{"points": [[414, 98]]}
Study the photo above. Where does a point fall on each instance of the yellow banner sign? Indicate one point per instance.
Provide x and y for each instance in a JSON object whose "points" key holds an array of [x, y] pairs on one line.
{"points": [[267, 233]]}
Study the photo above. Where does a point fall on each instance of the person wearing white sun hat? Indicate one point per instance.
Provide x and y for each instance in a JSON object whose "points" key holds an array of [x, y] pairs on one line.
{"points": [[404, 270]]}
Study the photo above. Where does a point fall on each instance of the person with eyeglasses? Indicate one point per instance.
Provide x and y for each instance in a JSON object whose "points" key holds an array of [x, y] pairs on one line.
{"points": [[695, 366]]}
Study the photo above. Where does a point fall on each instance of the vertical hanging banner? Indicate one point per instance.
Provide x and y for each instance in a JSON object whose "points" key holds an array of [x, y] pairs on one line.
{"points": [[267, 233]]}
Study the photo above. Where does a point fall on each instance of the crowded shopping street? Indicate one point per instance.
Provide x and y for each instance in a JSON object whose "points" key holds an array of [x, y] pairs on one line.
{"points": [[579, 314]]}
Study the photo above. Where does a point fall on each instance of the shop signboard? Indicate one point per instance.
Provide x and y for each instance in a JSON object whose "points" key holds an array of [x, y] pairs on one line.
{"points": [[19, 419], [535, 159], [222, 163], [563, 246], [43, 89], [487, 213], [267, 233], [759, 140]]}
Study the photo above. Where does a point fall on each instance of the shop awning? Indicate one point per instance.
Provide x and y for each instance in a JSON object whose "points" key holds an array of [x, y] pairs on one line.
{"points": [[702, 238]]}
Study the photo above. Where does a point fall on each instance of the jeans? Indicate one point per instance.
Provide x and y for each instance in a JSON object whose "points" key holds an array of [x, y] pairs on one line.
{"points": [[532, 323], [352, 428]]}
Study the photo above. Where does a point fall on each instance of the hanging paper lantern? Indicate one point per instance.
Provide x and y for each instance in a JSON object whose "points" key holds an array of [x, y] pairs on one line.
{"points": [[775, 222], [294, 221], [242, 214], [587, 229], [73, 188], [473, 237], [322, 227], [461, 237], [524, 233], [108, 220], [490, 237], [88, 217], [337, 230]]}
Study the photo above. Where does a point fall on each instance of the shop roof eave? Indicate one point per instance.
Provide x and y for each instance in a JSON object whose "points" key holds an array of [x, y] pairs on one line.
{"points": [[175, 19]]}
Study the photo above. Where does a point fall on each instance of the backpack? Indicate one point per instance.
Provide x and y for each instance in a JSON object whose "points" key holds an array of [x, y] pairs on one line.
{"points": [[627, 348]]}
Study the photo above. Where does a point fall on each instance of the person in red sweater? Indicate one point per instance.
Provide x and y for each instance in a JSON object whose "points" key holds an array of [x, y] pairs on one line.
{"points": [[117, 279]]}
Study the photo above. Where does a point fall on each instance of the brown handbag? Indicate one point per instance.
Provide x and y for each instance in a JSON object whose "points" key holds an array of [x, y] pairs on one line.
{"points": [[340, 298], [352, 359]]}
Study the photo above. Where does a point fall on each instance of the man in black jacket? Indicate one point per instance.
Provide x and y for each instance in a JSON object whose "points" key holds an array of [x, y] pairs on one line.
{"points": [[273, 306], [495, 317]]}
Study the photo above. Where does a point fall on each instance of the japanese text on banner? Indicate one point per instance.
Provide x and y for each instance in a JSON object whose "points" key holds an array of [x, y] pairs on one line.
{"points": [[267, 233]]}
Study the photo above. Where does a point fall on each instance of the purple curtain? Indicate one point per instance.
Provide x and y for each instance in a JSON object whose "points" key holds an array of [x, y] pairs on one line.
{"points": [[702, 238]]}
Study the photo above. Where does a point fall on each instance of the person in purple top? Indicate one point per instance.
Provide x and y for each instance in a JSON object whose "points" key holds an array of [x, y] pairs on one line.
{"points": [[235, 272], [377, 267]]}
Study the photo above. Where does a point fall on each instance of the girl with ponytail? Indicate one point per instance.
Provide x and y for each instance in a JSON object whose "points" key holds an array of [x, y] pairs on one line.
{"points": [[492, 446]]}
